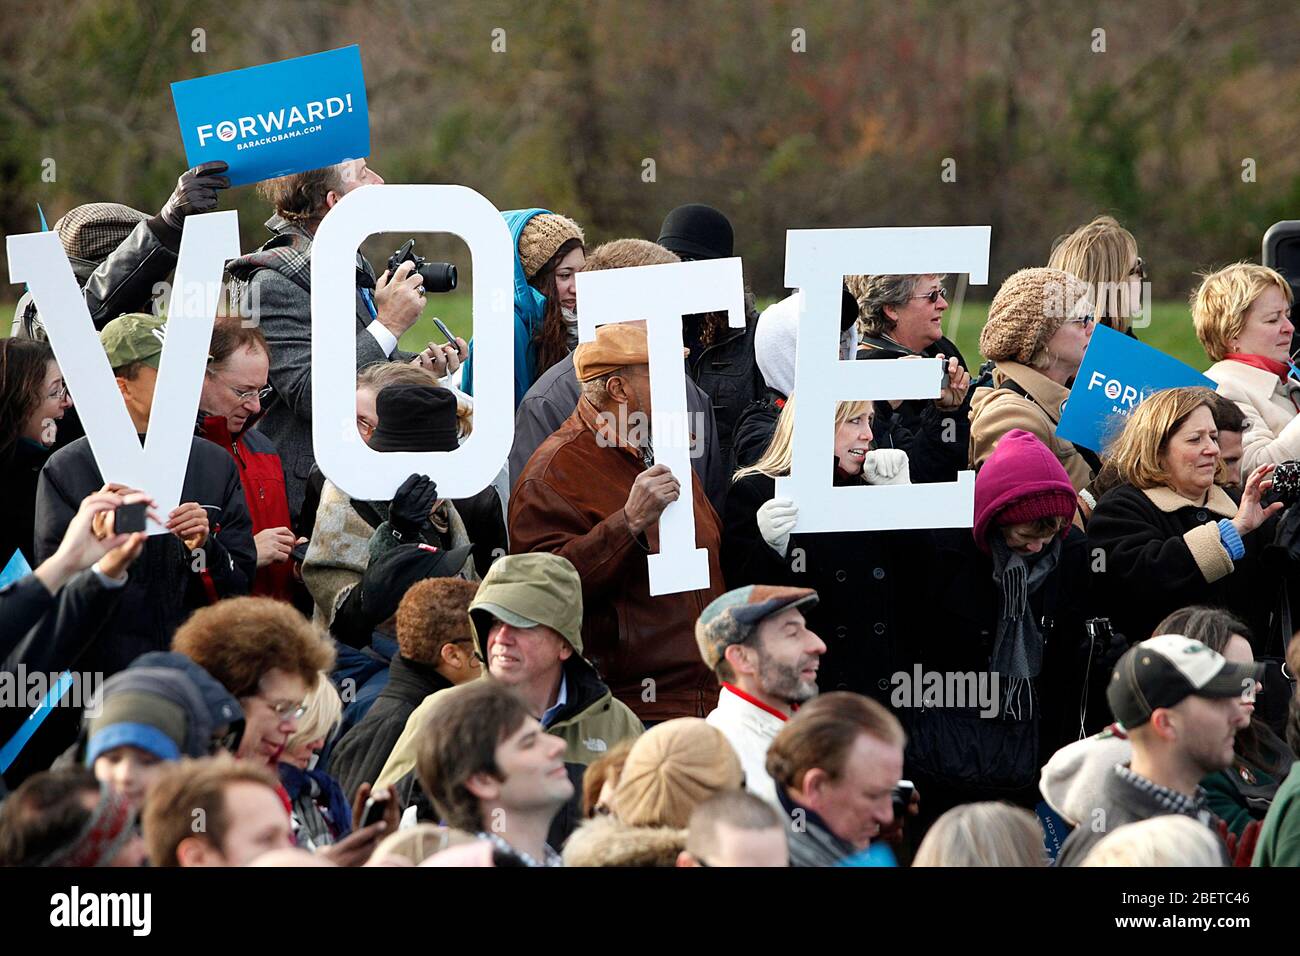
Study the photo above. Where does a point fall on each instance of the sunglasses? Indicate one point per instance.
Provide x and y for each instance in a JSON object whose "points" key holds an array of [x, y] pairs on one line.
{"points": [[934, 295]]}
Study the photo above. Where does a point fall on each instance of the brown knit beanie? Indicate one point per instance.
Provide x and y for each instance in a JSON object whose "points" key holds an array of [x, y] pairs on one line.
{"points": [[1031, 305], [541, 236], [671, 768]]}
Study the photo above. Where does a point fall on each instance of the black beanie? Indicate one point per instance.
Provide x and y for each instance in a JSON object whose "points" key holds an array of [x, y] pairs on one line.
{"points": [[415, 418], [697, 231]]}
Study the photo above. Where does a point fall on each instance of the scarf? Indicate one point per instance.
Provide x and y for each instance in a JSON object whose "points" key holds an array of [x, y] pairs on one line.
{"points": [[1261, 362], [1018, 647]]}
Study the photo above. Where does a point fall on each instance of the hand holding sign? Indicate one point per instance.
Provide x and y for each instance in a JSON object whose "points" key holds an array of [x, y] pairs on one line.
{"points": [[196, 191], [652, 491]]}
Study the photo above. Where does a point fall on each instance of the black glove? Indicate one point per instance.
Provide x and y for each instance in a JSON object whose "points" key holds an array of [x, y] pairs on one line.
{"points": [[409, 509], [196, 191]]}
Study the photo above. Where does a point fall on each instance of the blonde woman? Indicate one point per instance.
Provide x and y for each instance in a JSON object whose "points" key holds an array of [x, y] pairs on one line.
{"points": [[1242, 315], [983, 834], [1105, 255], [1168, 534], [321, 814], [1168, 840], [851, 571]]}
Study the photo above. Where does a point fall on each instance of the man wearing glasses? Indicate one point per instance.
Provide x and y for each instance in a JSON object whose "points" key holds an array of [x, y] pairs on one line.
{"points": [[209, 553], [234, 387]]}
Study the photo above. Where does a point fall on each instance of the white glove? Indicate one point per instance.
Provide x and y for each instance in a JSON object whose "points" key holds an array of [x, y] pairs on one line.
{"points": [[887, 466], [776, 519]]}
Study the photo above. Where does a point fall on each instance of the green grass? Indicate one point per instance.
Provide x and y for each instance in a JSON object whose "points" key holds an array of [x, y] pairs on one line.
{"points": [[455, 310], [1170, 329]]}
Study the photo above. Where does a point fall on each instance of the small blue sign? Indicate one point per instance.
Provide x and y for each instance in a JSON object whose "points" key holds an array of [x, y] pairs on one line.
{"points": [[15, 569], [278, 118], [1117, 373]]}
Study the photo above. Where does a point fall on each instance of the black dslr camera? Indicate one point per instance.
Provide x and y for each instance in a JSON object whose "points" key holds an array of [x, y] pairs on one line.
{"points": [[437, 276]]}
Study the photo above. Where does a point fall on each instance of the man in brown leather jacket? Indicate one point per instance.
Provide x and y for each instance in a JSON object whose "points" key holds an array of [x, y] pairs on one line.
{"points": [[592, 494]]}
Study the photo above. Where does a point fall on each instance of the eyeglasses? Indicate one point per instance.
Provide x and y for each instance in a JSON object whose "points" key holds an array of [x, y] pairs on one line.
{"points": [[284, 709], [1139, 270], [261, 394], [1086, 321], [934, 295], [58, 393]]}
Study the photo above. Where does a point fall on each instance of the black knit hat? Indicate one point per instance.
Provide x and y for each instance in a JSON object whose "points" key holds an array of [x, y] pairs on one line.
{"points": [[697, 231], [415, 418]]}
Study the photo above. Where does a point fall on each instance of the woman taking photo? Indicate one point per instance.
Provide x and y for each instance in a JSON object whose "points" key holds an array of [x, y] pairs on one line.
{"points": [[1167, 534], [852, 572], [32, 400], [1243, 318], [1039, 326], [550, 254]]}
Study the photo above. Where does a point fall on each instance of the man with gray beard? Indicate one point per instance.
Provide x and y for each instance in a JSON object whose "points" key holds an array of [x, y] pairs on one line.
{"points": [[756, 641]]}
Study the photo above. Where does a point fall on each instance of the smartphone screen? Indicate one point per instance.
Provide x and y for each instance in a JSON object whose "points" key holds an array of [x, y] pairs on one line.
{"points": [[129, 518]]}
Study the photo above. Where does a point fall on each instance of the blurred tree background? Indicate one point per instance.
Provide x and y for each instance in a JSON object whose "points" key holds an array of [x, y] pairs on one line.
{"points": [[1045, 128]]}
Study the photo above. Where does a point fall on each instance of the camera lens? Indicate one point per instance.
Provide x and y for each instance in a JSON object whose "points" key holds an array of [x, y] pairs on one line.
{"points": [[438, 276]]}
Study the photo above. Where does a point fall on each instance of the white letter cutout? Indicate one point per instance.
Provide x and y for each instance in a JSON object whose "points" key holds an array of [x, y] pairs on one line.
{"points": [[158, 468], [661, 295], [344, 458], [816, 261]]}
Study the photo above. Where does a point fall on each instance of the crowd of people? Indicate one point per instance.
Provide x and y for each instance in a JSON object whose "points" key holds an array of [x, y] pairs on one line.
{"points": [[1098, 672]]}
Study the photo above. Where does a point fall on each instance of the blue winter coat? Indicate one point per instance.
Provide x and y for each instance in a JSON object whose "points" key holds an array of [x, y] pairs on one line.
{"points": [[530, 305]]}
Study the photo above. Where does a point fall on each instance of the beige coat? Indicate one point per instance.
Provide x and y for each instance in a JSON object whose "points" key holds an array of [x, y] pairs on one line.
{"points": [[996, 411], [1272, 426], [340, 551]]}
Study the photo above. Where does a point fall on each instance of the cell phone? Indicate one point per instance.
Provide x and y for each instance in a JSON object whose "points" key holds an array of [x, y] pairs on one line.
{"points": [[129, 518], [442, 327], [373, 812], [299, 553], [903, 796]]}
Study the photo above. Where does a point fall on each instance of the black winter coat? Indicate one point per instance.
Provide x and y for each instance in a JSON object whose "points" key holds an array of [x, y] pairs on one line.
{"points": [[728, 373], [164, 583], [937, 442], [1154, 553], [854, 573], [360, 755], [20, 472], [45, 634], [961, 603]]}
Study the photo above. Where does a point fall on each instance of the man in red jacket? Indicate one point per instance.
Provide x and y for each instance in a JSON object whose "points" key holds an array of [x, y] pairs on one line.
{"points": [[591, 493], [233, 387]]}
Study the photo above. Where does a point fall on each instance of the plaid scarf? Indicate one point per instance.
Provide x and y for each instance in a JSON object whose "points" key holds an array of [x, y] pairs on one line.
{"points": [[110, 826], [288, 253], [551, 857]]}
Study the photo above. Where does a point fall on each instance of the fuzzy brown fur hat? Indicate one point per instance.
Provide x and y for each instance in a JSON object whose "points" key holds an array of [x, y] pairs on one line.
{"points": [[622, 253], [1031, 305]]}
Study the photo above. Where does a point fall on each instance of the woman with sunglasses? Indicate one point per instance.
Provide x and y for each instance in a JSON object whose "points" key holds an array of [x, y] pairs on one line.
{"points": [[32, 400], [1242, 315], [1037, 332], [234, 387], [901, 316], [1105, 255]]}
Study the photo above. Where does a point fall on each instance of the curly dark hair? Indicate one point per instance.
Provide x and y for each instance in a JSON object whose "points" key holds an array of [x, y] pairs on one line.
{"points": [[239, 639], [434, 612], [22, 371]]}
